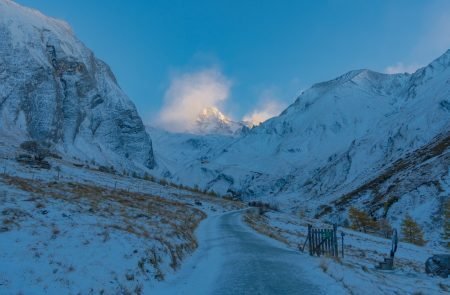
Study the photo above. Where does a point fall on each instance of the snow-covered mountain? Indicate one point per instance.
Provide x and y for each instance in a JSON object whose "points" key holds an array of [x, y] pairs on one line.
{"points": [[365, 139], [339, 136], [212, 121], [55, 91]]}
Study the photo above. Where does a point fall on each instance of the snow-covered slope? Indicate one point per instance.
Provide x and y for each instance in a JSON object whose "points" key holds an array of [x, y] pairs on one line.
{"points": [[338, 136], [175, 151], [76, 230], [53, 90]]}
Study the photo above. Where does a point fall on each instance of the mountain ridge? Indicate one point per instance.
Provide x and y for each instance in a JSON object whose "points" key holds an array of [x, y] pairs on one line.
{"points": [[337, 136]]}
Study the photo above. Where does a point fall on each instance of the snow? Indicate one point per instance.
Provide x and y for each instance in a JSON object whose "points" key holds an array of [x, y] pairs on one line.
{"points": [[212, 121], [53, 90], [360, 140], [334, 139], [92, 232], [356, 271], [232, 259], [14, 16]]}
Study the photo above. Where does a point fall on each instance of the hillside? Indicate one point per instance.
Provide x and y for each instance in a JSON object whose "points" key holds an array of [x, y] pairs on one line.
{"points": [[336, 140]]}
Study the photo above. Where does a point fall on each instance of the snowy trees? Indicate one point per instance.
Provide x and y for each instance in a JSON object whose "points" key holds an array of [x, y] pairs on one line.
{"points": [[411, 231]]}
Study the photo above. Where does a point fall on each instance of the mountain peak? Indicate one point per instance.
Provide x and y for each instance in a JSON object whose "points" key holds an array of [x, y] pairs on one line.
{"points": [[212, 112], [212, 121], [25, 20]]}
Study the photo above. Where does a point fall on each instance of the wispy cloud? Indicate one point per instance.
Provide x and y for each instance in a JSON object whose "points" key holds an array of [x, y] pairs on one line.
{"points": [[188, 94], [401, 68], [268, 107], [433, 38]]}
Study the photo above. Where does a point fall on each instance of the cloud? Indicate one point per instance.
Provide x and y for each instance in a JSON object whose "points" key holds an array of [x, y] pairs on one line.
{"points": [[268, 107], [265, 111], [401, 68], [433, 37], [188, 94]]}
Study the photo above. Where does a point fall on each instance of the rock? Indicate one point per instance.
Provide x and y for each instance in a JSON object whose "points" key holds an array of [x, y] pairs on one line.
{"points": [[55, 92], [438, 265]]}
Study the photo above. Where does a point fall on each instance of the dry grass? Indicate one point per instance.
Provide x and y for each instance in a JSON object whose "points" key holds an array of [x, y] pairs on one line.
{"points": [[260, 224], [170, 223], [323, 264]]}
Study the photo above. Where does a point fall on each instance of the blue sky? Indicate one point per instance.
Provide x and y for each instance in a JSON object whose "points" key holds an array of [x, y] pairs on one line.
{"points": [[255, 52]]}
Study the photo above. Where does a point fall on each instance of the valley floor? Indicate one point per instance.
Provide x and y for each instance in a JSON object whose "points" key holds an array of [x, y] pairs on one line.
{"points": [[356, 272], [234, 259], [75, 230]]}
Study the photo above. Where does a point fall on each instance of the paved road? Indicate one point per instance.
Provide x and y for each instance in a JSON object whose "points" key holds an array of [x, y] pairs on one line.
{"points": [[233, 259]]}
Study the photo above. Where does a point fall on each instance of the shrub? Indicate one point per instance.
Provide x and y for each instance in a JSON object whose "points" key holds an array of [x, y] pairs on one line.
{"points": [[411, 231], [30, 146], [148, 177], [446, 234], [301, 213], [385, 228], [263, 207], [106, 169], [360, 220], [37, 149]]}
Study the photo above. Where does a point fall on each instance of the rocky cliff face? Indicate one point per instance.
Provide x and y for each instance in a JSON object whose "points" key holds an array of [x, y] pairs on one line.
{"points": [[53, 90]]}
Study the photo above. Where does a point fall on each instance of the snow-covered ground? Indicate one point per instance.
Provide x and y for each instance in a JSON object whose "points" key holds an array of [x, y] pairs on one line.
{"points": [[234, 259], [88, 232], [356, 271], [377, 142]]}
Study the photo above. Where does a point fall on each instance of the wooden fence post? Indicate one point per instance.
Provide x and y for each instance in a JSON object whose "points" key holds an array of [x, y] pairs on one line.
{"points": [[335, 243], [310, 239]]}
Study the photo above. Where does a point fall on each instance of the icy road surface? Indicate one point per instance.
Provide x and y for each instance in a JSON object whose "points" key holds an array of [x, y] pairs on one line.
{"points": [[234, 259]]}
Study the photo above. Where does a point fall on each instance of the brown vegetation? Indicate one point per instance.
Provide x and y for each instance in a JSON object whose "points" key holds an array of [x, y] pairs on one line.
{"points": [[170, 223], [361, 221], [411, 231]]}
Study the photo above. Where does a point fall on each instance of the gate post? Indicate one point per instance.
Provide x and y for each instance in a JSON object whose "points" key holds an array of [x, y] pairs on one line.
{"points": [[335, 245], [310, 240]]}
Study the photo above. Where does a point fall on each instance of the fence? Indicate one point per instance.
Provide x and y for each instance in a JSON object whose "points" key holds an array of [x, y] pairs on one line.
{"points": [[322, 241]]}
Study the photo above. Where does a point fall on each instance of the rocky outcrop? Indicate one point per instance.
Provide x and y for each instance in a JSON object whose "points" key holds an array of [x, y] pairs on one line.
{"points": [[55, 91]]}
